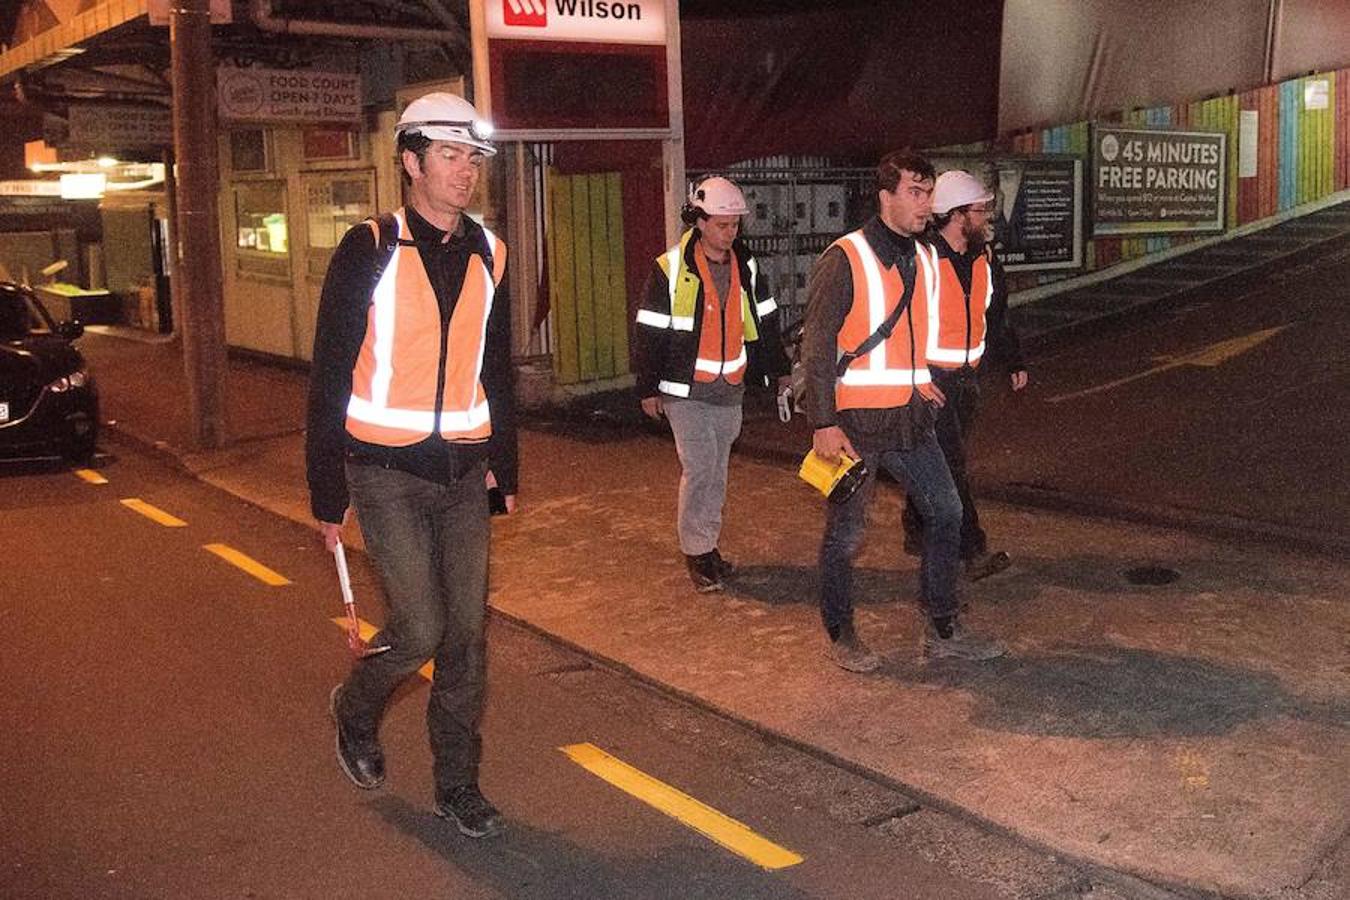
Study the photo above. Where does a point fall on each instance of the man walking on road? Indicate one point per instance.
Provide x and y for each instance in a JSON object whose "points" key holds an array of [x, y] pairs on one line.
{"points": [[872, 398], [968, 322], [705, 312], [411, 411]]}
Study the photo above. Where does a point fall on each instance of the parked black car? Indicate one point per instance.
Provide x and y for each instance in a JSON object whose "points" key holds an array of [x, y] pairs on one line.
{"points": [[48, 400]]}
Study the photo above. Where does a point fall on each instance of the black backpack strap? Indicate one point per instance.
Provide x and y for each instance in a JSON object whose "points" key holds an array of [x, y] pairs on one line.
{"points": [[386, 243], [909, 275]]}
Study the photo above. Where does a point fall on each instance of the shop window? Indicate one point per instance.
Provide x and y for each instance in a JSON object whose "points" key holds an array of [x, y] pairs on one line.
{"points": [[334, 203], [262, 239], [248, 150], [319, 144]]}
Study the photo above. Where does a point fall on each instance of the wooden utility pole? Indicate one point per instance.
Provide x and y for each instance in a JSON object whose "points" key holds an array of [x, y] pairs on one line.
{"points": [[198, 252]]}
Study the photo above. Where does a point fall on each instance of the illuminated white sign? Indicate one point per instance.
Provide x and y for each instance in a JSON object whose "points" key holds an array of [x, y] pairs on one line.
{"points": [[288, 95], [83, 186], [594, 21]]}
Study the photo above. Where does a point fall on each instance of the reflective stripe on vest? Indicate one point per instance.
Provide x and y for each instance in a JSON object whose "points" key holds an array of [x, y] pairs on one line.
{"points": [[883, 378], [947, 317], [393, 400], [674, 388]]}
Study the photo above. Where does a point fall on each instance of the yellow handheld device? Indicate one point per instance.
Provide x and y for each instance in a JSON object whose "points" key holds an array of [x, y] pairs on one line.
{"points": [[837, 481]]}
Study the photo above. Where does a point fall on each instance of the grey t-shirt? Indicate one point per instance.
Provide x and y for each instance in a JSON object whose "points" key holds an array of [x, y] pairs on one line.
{"points": [[720, 392]]}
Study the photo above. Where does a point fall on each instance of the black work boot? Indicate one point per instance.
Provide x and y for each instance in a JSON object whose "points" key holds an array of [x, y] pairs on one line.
{"points": [[471, 812], [703, 572], [724, 567], [360, 758]]}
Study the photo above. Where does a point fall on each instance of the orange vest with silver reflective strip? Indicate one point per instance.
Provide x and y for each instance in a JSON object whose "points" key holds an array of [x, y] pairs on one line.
{"points": [[948, 344], [393, 400], [721, 350], [885, 377]]}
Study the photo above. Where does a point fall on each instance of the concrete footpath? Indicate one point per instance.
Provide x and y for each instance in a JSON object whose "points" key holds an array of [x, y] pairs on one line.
{"points": [[1194, 734]]}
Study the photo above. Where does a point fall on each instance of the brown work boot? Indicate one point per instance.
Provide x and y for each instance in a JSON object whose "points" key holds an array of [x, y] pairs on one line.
{"points": [[849, 652], [985, 564], [963, 644]]}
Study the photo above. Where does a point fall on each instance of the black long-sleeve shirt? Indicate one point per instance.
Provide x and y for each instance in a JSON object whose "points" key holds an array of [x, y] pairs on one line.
{"points": [[338, 335]]}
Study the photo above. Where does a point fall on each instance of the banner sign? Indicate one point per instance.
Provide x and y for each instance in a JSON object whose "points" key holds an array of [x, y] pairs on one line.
{"points": [[605, 21], [112, 127], [1157, 181], [1039, 223], [288, 95]]}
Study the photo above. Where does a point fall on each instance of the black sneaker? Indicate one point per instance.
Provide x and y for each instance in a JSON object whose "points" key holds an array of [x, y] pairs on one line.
{"points": [[471, 812], [985, 564], [360, 758], [704, 573], [724, 567]]}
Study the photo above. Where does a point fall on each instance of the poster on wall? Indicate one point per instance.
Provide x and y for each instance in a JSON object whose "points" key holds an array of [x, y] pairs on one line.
{"points": [[1039, 203], [1155, 181]]}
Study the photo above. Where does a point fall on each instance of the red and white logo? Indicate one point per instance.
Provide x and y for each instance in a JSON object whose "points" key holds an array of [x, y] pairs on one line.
{"points": [[532, 13]]}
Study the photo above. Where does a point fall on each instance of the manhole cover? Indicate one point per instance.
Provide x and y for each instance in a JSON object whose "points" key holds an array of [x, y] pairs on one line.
{"points": [[1151, 575]]}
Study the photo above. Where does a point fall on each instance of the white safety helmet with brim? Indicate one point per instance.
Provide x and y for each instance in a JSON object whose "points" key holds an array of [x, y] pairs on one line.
{"points": [[441, 116], [717, 196], [956, 188]]}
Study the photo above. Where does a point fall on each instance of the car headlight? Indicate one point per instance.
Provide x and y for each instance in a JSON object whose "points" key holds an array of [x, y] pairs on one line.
{"points": [[77, 379]]}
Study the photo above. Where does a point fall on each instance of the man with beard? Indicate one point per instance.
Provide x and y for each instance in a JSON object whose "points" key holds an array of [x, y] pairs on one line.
{"points": [[968, 322]]}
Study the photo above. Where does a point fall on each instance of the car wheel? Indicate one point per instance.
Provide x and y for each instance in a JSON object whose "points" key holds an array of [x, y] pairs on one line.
{"points": [[82, 451]]}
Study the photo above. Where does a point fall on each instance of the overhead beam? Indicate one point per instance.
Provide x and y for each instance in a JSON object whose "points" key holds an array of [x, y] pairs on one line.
{"points": [[58, 43]]}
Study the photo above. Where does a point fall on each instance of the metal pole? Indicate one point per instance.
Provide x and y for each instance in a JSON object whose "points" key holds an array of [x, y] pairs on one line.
{"points": [[194, 139]]}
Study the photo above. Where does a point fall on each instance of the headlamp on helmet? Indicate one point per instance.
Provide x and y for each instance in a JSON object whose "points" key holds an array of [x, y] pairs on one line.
{"points": [[441, 116]]}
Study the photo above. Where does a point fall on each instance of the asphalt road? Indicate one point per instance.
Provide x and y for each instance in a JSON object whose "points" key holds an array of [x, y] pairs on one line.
{"points": [[166, 735], [1226, 404]]}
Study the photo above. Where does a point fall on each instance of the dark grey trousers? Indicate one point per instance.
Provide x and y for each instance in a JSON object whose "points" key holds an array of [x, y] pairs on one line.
{"points": [[429, 543]]}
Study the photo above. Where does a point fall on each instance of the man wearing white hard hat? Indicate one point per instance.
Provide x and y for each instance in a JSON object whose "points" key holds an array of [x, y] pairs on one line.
{"points": [[706, 321], [411, 421], [968, 326]]}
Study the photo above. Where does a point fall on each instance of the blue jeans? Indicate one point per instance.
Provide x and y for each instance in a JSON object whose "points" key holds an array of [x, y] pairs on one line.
{"points": [[923, 473], [429, 544]]}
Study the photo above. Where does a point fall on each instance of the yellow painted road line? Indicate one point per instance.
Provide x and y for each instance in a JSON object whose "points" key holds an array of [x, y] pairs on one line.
{"points": [[90, 476], [248, 564], [1208, 357], [153, 513], [368, 631], [731, 834]]}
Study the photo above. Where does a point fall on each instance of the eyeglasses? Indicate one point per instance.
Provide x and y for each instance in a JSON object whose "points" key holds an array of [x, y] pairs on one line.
{"points": [[987, 210]]}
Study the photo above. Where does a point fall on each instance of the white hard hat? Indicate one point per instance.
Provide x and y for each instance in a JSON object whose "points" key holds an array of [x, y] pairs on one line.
{"points": [[718, 197], [440, 116], [958, 188]]}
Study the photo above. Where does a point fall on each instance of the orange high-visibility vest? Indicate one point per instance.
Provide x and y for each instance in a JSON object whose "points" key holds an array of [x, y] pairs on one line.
{"points": [[886, 376], [393, 401], [721, 340], [950, 345]]}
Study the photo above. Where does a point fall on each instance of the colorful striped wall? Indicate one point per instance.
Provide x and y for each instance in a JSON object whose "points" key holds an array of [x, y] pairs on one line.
{"points": [[1302, 155]]}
